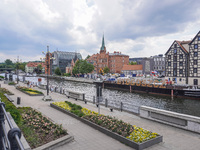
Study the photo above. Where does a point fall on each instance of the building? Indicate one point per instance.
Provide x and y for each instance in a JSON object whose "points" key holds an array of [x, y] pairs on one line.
{"points": [[177, 57], [159, 64], [63, 59], [114, 61], [132, 70], [31, 66], [194, 61]]}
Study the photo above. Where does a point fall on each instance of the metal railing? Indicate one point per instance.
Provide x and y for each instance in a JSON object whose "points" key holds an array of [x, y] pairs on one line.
{"points": [[8, 140]]}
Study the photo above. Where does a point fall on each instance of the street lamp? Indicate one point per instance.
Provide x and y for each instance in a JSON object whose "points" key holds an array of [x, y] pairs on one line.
{"points": [[17, 67], [47, 63]]}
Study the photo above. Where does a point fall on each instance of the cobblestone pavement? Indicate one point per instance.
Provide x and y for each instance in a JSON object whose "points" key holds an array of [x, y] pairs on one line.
{"points": [[88, 138]]}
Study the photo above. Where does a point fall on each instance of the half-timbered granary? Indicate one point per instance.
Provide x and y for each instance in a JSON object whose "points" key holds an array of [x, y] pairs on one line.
{"points": [[194, 61], [176, 66]]}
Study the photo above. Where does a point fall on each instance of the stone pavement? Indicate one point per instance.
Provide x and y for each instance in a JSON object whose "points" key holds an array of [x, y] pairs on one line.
{"points": [[88, 138]]}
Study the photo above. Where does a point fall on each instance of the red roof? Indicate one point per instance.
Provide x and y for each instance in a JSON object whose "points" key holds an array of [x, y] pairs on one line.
{"points": [[132, 67], [35, 64]]}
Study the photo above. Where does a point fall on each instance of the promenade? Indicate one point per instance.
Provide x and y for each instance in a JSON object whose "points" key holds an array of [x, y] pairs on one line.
{"points": [[87, 138]]}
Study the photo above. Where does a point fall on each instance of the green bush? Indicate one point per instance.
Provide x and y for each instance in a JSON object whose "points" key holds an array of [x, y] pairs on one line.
{"points": [[11, 83], [2, 77]]}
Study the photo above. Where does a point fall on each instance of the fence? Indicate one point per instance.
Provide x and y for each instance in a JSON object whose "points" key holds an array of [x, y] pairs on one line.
{"points": [[10, 140]]}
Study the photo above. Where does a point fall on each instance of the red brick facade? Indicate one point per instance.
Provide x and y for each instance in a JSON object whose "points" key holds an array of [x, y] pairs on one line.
{"points": [[114, 61]]}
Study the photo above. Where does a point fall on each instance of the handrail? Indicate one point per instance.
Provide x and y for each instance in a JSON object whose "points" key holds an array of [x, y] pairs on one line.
{"points": [[10, 140]]}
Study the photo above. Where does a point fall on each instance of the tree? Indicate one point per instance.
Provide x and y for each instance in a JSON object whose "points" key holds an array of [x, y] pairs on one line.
{"points": [[106, 70], [8, 62], [58, 71], [132, 63], [82, 67], [88, 56], [38, 70]]}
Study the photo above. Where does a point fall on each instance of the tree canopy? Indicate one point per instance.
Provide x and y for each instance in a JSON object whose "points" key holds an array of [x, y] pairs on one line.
{"points": [[82, 67], [58, 71], [106, 70]]}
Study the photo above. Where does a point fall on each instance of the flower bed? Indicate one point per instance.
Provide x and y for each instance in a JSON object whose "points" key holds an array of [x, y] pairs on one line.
{"points": [[37, 129], [133, 136], [29, 91]]}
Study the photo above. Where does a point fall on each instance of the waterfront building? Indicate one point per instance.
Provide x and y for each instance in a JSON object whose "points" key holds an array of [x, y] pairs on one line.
{"points": [[177, 56], [31, 66], [194, 61], [158, 62], [63, 59], [114, 61], [132, 70]]}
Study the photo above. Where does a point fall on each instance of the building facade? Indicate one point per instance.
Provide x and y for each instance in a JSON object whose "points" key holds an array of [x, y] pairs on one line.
{"points": [[176, 68], [31, 66], [114, 61], [63, 59], [158, 62], [194, 61], [132, 70]]}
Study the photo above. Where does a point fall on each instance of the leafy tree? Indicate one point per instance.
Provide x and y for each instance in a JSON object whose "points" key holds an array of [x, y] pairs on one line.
{"points": [[58, 71], [38, 70], [88, 56], [132, 63], [106, 70], [82, 67], [8, 62], [67, 74]]}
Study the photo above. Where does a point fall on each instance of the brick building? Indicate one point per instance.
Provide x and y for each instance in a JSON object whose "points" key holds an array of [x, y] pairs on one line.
{"points": [[114, 61], [31, 66]]}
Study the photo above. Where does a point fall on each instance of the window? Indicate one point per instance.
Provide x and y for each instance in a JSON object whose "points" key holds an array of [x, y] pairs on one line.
{"points": [[195, 46], [174, 72], [195, 54], [169, 56], [199, 38], [175, 65], [169, 63], [181, 71], [195, 82], [181, 56], [195, 70], [181, 63], [175, 58], [175, 45], [169, 72], [195, 62], [175, 51]]}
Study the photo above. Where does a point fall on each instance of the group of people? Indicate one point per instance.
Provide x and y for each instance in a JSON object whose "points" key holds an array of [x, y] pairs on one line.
{"points": [[30, 84]]}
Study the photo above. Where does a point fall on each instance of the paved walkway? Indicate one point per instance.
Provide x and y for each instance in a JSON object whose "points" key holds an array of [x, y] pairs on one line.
{"points": [[88, 138]]}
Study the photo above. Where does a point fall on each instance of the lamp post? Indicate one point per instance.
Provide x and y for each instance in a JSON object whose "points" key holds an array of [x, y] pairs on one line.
{"points": [[17, 67], [47, 63]]}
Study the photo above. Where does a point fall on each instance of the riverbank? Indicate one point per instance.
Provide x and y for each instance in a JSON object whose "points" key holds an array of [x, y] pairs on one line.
{"points": [[88, 138]]}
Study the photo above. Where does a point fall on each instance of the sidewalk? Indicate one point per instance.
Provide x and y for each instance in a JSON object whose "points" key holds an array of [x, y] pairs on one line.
{"points": [[90, 139]]}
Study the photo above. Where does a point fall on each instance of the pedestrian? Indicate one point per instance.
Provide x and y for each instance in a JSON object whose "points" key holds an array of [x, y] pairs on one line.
{"points": [[51, 89], [28, 84]]}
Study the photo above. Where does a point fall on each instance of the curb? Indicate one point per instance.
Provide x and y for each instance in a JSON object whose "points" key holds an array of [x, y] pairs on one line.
{"points": [[56, 143]]}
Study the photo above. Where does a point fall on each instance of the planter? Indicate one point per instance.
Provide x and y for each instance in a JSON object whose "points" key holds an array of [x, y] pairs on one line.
{"points": [[29, 93], [138, 146]]}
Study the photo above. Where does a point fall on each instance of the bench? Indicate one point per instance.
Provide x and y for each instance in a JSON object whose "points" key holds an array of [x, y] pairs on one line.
{"points": [[76, 95], [9, 98]]}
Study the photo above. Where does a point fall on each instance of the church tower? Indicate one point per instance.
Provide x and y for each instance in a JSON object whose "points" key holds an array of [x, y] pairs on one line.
{"points": [[103, 48]]}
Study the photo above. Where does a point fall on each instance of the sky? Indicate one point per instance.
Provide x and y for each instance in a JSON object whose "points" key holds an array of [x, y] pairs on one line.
{"points": [[138, 28]]}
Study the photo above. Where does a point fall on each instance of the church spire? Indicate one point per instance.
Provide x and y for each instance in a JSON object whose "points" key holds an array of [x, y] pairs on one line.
{"points": [[103, 48]]}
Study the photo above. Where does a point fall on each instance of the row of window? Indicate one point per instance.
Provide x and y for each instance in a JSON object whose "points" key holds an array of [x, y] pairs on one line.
{"points": [[175, 64], [175, 57], [181, 71]]}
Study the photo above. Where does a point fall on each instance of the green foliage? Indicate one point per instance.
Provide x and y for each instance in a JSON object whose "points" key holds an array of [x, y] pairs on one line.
{"points": [[11, 83], [82, 67], [75, 109], [67, 74], [106, 70], [8, 62], [132, 63], [10, 108], [2, 77], [58, 71], [88, 56]]}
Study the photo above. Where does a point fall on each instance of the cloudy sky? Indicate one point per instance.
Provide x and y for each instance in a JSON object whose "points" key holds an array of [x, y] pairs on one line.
{"points": [[138, 28]]}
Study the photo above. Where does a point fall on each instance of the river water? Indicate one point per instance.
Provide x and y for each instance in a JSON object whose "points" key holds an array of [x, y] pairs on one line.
{"points": [[131, 101]]}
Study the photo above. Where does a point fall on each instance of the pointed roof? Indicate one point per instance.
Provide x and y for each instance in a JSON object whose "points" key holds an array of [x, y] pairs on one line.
{"points": [[103, 44]]}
